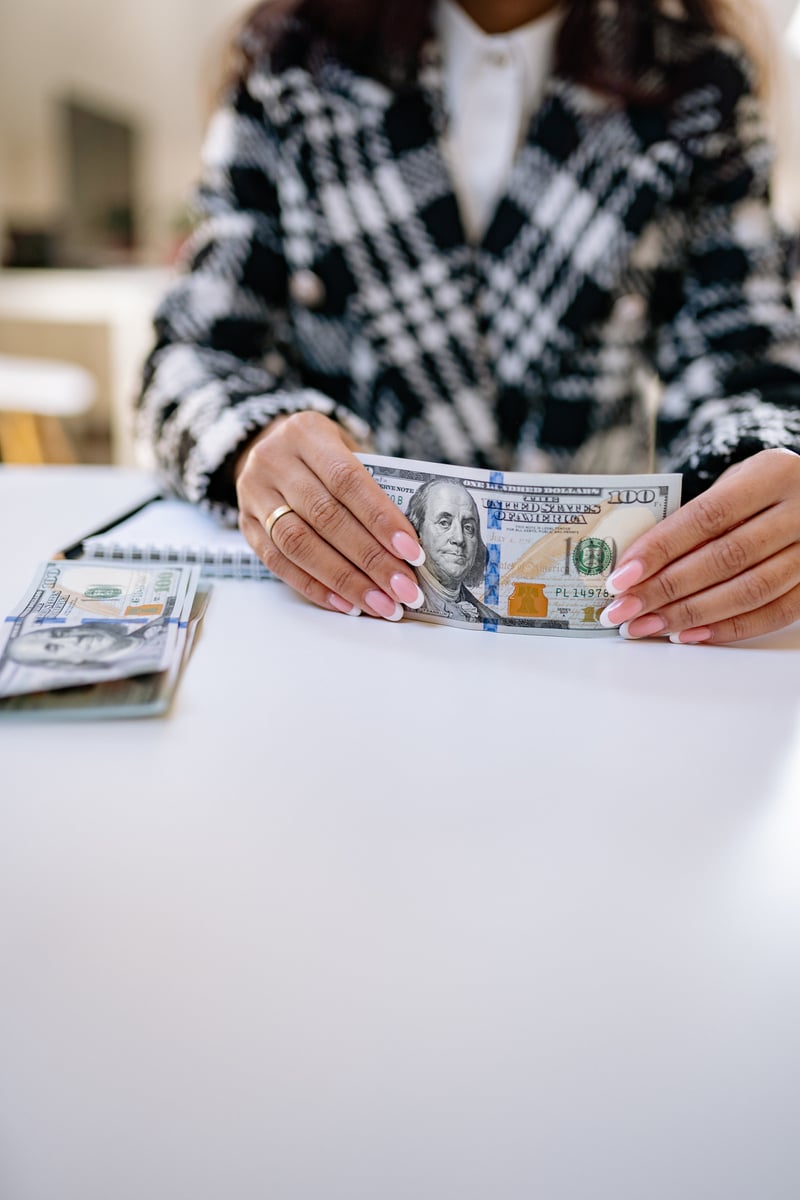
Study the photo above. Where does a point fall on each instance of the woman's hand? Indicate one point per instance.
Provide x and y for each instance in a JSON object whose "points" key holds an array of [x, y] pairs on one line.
{"points": [[724, 567], [344, 544]]}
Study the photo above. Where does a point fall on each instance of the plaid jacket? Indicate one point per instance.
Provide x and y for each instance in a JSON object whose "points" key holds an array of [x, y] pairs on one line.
{"points": [[330, 271]]}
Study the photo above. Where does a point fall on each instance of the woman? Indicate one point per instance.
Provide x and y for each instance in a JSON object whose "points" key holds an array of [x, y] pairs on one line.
{"points": [[461, 232]]}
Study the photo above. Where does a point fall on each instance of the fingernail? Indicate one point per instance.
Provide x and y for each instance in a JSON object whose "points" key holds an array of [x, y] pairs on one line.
{"points": [[384, 606], [621, 611], [407, 591], [643, 628], [625, 577], [690, 637], [408, 549], [343, 606]]}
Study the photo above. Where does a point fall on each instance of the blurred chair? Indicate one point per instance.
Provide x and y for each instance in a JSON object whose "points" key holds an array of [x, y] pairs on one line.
{"points": [[35, 394]]}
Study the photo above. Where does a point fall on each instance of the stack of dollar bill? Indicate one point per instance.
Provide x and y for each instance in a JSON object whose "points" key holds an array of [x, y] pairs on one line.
{"points": [[93, 640]]}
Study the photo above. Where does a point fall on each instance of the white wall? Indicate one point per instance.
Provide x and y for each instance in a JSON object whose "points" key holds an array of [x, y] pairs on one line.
{"points": [[150, 61], [785, 99]]}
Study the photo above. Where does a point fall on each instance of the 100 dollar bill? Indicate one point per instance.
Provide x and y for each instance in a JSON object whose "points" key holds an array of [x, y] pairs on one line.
{"points": [[148, 695], [88, 623], [521, 553]]}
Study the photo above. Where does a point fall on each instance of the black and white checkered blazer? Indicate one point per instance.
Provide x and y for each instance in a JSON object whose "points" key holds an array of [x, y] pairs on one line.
{"points": [[330, 271]]}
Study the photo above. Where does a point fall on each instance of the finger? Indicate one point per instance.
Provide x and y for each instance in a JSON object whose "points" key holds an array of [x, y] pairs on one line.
{"points": [[295, 542], [723, 559], [751, 591], [768, 619], [338, 528], [316, 442], [349, 482], [328, 543], [294, 576], [734, 498]]}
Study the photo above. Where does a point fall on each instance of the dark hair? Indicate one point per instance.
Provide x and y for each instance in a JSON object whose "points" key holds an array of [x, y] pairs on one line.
{"points": [[609, 45]]}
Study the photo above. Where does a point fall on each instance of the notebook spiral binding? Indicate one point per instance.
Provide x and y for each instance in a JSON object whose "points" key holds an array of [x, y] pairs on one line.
{"points": [[216, 564]]}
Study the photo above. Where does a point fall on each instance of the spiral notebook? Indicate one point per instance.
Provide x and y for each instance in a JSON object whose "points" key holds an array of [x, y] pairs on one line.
{"points": [[173, 531]]}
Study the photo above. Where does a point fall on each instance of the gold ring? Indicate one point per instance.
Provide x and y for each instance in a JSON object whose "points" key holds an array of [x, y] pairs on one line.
{"points": [[276, 515]]}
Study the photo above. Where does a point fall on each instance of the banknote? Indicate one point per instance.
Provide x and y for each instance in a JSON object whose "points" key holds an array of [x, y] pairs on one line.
{"points": [[146, 695], [518, 553], [90, 623]]}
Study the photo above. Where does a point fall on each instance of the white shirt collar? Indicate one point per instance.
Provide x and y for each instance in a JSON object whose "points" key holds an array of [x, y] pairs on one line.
{"points": [[464, 43], [492, 85]]}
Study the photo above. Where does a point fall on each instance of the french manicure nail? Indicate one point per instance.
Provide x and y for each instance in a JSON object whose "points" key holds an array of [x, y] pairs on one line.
{"points": [[621, 611], [384, 606], [690, 637], [407, 591], [646, 627], [408, 549], [625, 577], [343, 606]]}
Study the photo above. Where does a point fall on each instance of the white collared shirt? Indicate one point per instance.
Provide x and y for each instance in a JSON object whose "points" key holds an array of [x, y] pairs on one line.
{"points": [[493, 84]]}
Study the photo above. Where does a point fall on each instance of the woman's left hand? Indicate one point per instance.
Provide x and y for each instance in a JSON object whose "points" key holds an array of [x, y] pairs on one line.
{"points": [[723, 568]]}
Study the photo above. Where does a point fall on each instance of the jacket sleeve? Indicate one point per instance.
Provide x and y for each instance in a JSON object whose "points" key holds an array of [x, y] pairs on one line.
{"points": [[223, 363], [729, 356]]}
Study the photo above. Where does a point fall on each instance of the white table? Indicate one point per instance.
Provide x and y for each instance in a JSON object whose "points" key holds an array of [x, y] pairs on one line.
{"points": [[400, 913]]}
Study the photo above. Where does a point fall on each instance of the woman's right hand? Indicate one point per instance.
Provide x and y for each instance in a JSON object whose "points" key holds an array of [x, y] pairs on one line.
{"points": [[344, 545]]}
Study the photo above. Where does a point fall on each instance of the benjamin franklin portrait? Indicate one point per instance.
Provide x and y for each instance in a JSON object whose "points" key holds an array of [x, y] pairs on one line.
{"points": [[448, 524]]}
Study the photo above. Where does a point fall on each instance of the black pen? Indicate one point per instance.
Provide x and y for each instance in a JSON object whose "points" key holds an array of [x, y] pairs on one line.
{"points": [[77, 548]]}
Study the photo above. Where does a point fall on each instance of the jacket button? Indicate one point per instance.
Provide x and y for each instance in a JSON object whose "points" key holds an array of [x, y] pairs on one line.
{"points": [[307, 289], [630, 308]]}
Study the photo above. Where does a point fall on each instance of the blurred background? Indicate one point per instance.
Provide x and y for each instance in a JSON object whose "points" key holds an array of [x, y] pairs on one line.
{"points": [[102, 113]]}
